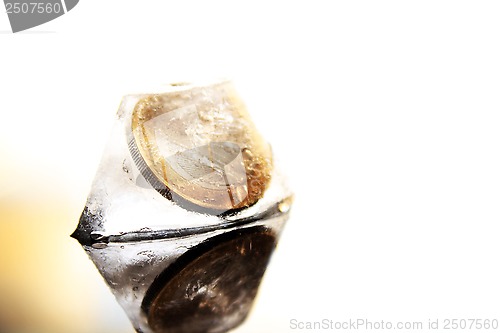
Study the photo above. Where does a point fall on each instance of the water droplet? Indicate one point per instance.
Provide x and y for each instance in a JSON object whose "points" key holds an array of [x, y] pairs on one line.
{"points": [[284, 206]]}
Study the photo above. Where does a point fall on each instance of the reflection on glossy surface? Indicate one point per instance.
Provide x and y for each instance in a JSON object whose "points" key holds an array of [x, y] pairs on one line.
{"points": [[211, 287]]}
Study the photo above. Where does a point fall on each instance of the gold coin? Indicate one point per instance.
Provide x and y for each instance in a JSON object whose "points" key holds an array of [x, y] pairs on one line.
{"points": [[198, 145]]}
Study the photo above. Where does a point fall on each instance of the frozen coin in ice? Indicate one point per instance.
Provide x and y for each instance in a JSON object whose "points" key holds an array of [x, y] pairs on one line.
{"points": [[172, 269], [198, 145]]}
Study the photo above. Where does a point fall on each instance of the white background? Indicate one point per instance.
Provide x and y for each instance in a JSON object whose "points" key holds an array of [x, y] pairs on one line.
{"points": [[384, 114]]}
